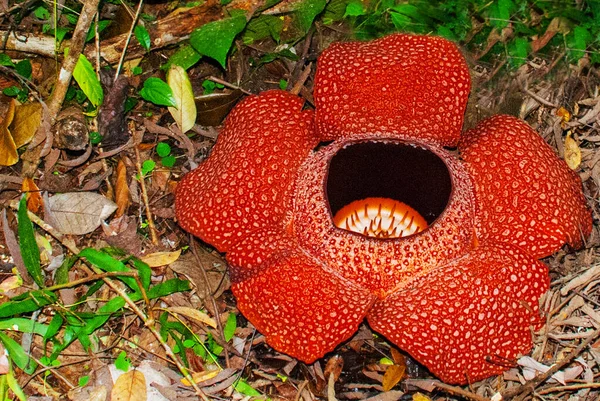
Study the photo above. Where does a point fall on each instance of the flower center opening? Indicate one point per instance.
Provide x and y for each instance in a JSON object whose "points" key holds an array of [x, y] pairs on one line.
{"points": [[386, 189]]}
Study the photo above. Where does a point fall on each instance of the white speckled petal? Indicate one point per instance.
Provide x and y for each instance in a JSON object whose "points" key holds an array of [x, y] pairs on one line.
{"points": [[470, 319]]}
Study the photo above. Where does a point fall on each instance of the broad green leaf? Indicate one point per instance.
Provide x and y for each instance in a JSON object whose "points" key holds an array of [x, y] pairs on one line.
{"points": [[354, 9], [184, 111], [85, 75], [263, 27], [17, 354], [185, 57], [500, 12], [107, 263], [230, 327], [168, 161], [28, 246], [5, 60], [24, 325], [157, 91], [306, 11], [143, 36], [28, 302], [24, 68], [214, 39], [518, 50]]}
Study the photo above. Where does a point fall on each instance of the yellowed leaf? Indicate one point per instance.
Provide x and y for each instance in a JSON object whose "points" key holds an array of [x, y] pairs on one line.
{"points": [[28, 118], [8, 149], [130, 386], [199, 377], [572, 152], [393, 375], [563, 114], [122, 195], [161, 258], [194, 314], [420, 397], [185, 112], [34, 196], [10, 283]]}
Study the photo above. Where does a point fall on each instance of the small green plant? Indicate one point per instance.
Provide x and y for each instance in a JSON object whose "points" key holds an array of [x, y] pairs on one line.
{"points": [[163, 149]]}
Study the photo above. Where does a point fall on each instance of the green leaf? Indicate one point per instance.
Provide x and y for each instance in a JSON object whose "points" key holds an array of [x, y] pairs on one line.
{"points": [[24, 325], [54, 326], [122, 362], [215, 38], [103, 314], [41, 13], [148, 166], [85, 75], [500, 12], [577, 42], [243, 387], [163, 149], [185, 57], [144, 272], [28, 302], [107, 263], [24, 69], [17, 354], [83, 381], [230, 326], [102, 25], [354, 9], [263, 27], [143, 36], [157, 91], [5, 60], [518, 50], [306, 11], [168, 287], [14, 386], [168, 161], [28, 246]]}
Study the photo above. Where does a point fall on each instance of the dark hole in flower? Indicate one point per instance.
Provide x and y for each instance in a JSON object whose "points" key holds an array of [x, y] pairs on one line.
{"points": [[386, 189]]}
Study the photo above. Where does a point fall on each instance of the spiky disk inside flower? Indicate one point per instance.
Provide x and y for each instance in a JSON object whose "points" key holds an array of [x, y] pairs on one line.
{"points": [[425, 177], [526, 195], [414, 85], [228, 196]]}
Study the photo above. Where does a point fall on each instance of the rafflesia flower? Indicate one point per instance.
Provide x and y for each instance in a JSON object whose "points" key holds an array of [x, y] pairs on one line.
{"points": [[438, 251]]}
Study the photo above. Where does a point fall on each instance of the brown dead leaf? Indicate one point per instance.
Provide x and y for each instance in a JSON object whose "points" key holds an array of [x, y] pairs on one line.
{"points": [[130, 386], [216, 271], [122, 198], [213, 108], [572, 152], [161, 258], [78, 213], [8, 149], [34, 196], [27, 119], [392, 376], [334, 367], [194, 314]]}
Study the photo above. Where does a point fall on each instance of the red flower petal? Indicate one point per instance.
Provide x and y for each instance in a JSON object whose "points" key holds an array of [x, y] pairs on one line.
{"points": [[246, 182], [302, 309], [362, 167], [413, 85], [470, 319], [525, 194]]}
